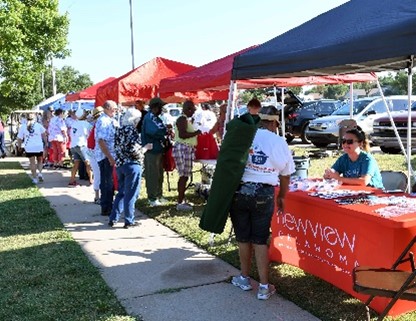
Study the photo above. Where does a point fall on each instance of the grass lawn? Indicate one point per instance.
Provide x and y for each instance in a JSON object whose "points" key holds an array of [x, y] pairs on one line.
{"points": [[44, 274], [307, 291]]}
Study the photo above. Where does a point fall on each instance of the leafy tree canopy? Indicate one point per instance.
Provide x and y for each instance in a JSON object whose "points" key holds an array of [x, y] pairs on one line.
{"points": [[31, 33]]}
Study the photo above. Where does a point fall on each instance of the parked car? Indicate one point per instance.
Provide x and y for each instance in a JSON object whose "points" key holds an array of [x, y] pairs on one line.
{"points": [[384, 136], [298, 120], [171, 113], [325, 130]]}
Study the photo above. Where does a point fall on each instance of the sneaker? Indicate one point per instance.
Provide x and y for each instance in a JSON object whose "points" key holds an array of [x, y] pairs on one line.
{"points": [[35, 180], [135, 224], [154, 203], [97, 201], [72, 184], [40, 178], [264, 294], [242, 282], [111, 223], [163, 201], [184, 207]]}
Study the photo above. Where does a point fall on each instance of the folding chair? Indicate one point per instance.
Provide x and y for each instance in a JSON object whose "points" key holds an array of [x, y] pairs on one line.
{"points": [[394, 181], [389, 283]]}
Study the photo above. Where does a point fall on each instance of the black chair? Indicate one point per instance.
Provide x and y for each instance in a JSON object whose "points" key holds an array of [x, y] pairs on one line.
{"points": [[389, 283]]}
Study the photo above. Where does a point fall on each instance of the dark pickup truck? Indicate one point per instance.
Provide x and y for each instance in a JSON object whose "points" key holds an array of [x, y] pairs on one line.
{"points": [[384, 136]]}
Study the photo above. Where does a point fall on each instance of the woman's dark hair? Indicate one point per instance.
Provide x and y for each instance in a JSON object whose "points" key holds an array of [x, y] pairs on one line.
{"points": [[361, 137]]}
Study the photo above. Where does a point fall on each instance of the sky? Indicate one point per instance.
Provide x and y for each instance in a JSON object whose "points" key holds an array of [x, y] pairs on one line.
{"points": [[189, 31]]}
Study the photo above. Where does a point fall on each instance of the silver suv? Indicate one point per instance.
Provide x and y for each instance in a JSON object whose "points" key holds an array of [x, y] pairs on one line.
{"points": [[325, 130]]}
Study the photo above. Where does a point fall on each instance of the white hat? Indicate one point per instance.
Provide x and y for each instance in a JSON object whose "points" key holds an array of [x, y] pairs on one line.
{"points": [[131, 117]]}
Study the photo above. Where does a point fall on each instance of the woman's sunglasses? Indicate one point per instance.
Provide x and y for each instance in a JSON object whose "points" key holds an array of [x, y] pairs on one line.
{"points": [[348, 141]]}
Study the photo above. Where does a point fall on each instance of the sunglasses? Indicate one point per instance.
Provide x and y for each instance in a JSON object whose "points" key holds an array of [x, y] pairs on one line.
{"points": [[348, 141]]}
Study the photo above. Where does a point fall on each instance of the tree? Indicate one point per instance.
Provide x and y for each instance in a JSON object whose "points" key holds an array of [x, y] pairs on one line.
{"points": [[367, 86], [32, 32], [67, 80], [330, 91]]}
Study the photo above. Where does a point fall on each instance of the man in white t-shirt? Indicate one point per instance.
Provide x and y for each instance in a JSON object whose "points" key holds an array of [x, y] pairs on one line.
{"points": [[78, 133], [269, 164]]}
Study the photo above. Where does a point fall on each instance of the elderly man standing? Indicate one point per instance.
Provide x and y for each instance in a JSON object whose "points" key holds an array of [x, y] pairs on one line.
{"points": [[154, 132], [104, 152]]}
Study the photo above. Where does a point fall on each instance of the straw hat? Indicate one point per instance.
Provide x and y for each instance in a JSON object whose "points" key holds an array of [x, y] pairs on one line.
{"points": [[97, 111]]}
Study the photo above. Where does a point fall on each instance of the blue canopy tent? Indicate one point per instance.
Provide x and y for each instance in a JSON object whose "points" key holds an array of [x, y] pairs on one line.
{"points": [[54, 101], [358, 36], [78, 104]]}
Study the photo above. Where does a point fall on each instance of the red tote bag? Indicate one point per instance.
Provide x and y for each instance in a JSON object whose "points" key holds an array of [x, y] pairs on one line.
{"points": [[207, 147]]}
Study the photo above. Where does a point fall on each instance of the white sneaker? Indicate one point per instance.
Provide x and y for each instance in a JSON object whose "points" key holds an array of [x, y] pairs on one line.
{"points": [[184, 207], [35, 180], [265, 293], [40, 178], [154, 203], [163, 201]]}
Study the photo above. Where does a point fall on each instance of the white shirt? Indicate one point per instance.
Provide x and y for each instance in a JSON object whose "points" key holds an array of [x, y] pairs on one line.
{"points": [[32, 137], [56, 128], [269, 157], [79, 133], [204, 120]]}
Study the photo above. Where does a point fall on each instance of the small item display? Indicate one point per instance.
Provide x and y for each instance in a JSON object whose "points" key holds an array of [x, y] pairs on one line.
{"points": [[301, 184], [396, 206], [339, 194]]}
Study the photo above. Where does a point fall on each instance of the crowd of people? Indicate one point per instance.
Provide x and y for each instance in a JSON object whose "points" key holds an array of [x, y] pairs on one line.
{"points": [[118, 146]]}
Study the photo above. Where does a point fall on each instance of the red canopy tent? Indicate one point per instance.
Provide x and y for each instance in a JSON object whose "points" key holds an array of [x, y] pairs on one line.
{"points": [[88, 93], [142, 82], [212, 81]]}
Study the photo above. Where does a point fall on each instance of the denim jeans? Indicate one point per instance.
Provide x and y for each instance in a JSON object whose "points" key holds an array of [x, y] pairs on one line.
{"points": [[251, 213], [129, 178], [2, 144], [106, 185]]}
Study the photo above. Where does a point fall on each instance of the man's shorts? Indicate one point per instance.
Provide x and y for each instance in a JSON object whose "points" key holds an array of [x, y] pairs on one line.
{"points": [[184, 156], [251, 212], [79, 153], [36, 154]]}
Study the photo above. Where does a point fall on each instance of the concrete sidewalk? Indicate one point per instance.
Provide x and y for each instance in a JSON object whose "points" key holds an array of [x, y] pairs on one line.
{"points": [[155, 273]]}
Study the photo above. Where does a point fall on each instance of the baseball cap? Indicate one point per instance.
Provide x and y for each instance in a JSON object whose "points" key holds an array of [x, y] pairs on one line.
{"points": [[156, 102], [269, 113]]}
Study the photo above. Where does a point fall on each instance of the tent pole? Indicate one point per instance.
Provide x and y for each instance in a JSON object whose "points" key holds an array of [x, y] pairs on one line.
{"points": [[351, 101], [283, 108], [231, 103], [409, 123]]}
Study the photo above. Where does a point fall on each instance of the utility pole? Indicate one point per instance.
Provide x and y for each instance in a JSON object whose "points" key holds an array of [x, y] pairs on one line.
{"points": [[131, 34], [43, 85], [53, 79]]}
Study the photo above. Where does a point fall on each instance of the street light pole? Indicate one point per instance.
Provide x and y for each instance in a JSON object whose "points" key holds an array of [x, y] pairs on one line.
{"points": [[131, 33]]}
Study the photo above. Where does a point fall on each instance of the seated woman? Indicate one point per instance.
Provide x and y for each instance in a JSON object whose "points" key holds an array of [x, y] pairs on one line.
{"points": [[357, 166]]}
